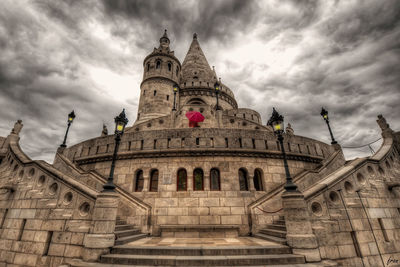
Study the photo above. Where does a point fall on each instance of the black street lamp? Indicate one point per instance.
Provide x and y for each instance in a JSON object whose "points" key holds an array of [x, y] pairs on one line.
{"points": [[276, 121], [324, 114], [120, 123], [175, 90], [217, 88], [71, 117]]}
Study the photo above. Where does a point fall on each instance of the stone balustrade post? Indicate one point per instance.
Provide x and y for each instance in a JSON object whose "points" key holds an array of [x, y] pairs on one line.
{"points": [[101, 235], [300, 236]]}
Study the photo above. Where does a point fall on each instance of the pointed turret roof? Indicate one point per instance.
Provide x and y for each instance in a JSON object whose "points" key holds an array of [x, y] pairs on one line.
{"points": [[195, 67]]}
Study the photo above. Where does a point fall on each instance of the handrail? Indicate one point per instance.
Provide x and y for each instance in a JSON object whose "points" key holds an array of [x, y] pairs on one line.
{"points": [[280, 189], [102, 180]]}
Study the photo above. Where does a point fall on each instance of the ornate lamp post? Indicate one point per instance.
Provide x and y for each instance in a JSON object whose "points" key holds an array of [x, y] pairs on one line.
{"points": [[175, 90], [120, 123], [217, 88], [71, 117], [276, 121], [324, 114]]}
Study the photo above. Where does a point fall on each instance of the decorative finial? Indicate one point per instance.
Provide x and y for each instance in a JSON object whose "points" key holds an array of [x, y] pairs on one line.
{"points": [[213, 68], [194, 35], [165, 33], [17, 127], [104, 132]]}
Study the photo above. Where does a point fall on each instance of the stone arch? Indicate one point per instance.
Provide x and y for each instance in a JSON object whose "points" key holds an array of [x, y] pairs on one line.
{"points": [[196, 101], [181, 180], [154, 175], [215, 179], [198, 179], [139, 181], [243, 179], [258, 179]]}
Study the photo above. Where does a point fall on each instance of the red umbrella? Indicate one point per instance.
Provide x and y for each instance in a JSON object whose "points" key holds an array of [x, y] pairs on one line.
{"points": [[194, 117]]}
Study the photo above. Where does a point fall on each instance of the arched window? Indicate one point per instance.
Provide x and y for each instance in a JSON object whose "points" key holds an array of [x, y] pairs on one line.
{"points": [[198, 181], [139, 181], [154, 181], [215, 181], [148, 66], [169, 66], [243, 180], [158, 64], [258, 184], [181, 184], [177, 71]]}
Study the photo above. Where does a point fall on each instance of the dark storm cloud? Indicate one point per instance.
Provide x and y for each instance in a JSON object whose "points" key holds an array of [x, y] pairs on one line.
{"points": [[220, 20], [343, 55]]}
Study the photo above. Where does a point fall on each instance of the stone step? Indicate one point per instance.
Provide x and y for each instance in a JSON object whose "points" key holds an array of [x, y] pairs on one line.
{"points": [[80, 263], [127, 239], [201, 251], [276, 227], [273, 232], [123, 227], [123, 233], [236, 260], [120, 222], [271, 238], [279, 222]]}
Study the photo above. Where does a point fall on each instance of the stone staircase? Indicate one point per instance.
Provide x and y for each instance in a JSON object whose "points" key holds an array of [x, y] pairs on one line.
{"points": [[278, 255], [275, 232], [125, 233]]}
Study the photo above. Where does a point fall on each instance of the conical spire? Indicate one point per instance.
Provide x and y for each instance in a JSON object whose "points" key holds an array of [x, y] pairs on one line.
{"points": [[195, 67]]}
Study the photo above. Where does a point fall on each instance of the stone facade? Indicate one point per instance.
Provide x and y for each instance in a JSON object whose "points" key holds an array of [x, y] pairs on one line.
{"points": [[222, 179]]}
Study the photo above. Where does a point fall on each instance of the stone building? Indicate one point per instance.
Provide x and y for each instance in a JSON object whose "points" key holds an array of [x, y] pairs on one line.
{"points": [[223, 179]]}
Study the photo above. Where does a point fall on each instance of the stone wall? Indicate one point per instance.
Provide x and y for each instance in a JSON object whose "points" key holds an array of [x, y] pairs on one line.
{"points": [[44, 214], [356, 213]]}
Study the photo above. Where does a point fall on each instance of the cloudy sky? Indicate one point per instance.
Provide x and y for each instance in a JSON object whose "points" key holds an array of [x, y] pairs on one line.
{"points": [[297, 56]]}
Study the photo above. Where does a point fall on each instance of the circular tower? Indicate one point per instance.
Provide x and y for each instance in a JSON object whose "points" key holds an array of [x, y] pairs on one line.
{"points": [[161, 71]]}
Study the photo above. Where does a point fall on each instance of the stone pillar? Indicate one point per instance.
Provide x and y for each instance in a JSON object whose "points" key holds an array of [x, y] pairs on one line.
{"points": [[190, 181], [146, 181], [206, 182], [250, 181], [299, 235], [101, 236]]}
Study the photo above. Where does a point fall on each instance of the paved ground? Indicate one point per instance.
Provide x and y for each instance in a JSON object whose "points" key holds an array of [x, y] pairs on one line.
{"points": [[197, 242]]}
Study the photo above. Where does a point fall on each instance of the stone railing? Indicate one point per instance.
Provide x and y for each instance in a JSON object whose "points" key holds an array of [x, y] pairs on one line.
{"points": [[355, 210], [177, 142], [48, 216], [131, 208], [268, 207]]}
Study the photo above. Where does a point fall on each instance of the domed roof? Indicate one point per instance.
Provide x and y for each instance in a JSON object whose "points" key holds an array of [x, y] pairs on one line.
{"points": [[195, 67]]}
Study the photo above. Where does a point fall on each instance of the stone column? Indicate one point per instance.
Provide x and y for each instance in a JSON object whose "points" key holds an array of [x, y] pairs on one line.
{"points": [[299, 235], [207, 182], [146, 180], [101, 236], [190, 181], [250, 181]]}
